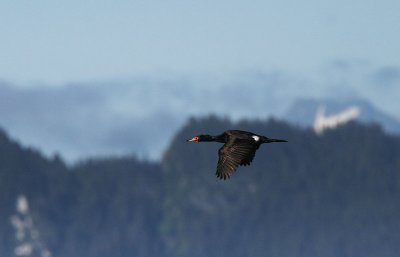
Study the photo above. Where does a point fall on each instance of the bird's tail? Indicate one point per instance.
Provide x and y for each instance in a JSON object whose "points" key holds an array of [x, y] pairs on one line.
{"points": [[273, 140]]}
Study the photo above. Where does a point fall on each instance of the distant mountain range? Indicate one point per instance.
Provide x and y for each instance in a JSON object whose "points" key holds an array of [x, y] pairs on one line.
{"points": [[316, 113], [141, 115]]}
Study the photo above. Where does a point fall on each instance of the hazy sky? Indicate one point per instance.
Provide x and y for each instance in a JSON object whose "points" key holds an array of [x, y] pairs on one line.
{"points": [[57, 42], [124, 67]]}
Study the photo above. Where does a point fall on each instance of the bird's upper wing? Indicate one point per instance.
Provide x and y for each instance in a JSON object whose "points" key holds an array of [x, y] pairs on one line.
{"points": [[233, 154]]}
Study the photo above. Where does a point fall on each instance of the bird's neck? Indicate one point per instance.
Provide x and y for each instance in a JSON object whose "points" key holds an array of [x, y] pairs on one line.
{"points": [[209, 138]]}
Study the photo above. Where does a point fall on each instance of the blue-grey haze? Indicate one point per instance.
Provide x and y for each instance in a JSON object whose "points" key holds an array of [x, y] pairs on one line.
{"points": [[100, 77], [141, 115]]}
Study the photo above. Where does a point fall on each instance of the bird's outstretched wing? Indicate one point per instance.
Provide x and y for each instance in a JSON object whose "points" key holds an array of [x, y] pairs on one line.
{"points": [[233, 154]]}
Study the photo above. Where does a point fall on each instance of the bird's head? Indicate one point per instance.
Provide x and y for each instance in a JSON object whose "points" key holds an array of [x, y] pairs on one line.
{"points": [[200, 138], [194, 139]]}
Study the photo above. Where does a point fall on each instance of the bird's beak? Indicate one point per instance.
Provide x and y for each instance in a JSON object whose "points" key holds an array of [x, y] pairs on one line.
{"points": [[271, 140]]}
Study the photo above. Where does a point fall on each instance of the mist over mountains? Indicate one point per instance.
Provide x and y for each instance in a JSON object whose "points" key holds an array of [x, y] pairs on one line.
{"points": [[303, 112], [141, 115]]}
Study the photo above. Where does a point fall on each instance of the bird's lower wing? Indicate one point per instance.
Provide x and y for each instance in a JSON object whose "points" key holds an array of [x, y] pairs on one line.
{"points": [[233, 155]]}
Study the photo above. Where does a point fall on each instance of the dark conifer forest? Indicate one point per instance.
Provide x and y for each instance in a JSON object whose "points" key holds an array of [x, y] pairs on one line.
{"points": [[331, 195]]}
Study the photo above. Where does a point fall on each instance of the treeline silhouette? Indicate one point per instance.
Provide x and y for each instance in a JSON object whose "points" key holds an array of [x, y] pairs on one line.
{"points": [[333, 195]]}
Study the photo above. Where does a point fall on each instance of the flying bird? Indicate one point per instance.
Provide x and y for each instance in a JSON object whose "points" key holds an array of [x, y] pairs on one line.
{"points": [[239, 149]]}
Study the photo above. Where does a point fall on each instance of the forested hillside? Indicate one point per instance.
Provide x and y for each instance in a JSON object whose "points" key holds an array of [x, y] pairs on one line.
{"points": [[108, 207], [333, 195], [46, 183]]}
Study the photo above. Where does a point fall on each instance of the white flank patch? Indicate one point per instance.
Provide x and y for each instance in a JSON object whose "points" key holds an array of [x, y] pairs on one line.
{"points": [[256, 138]]}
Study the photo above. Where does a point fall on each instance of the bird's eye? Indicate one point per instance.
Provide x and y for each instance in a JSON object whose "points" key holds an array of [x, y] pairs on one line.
{"points": [[196, 139]]}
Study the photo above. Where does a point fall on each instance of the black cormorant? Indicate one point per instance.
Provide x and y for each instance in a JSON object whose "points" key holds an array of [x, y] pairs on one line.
{"points": [[239, 149]]}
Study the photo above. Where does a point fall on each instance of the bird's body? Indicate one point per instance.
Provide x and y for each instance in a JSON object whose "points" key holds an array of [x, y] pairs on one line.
{"points": [[239, 149]]}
